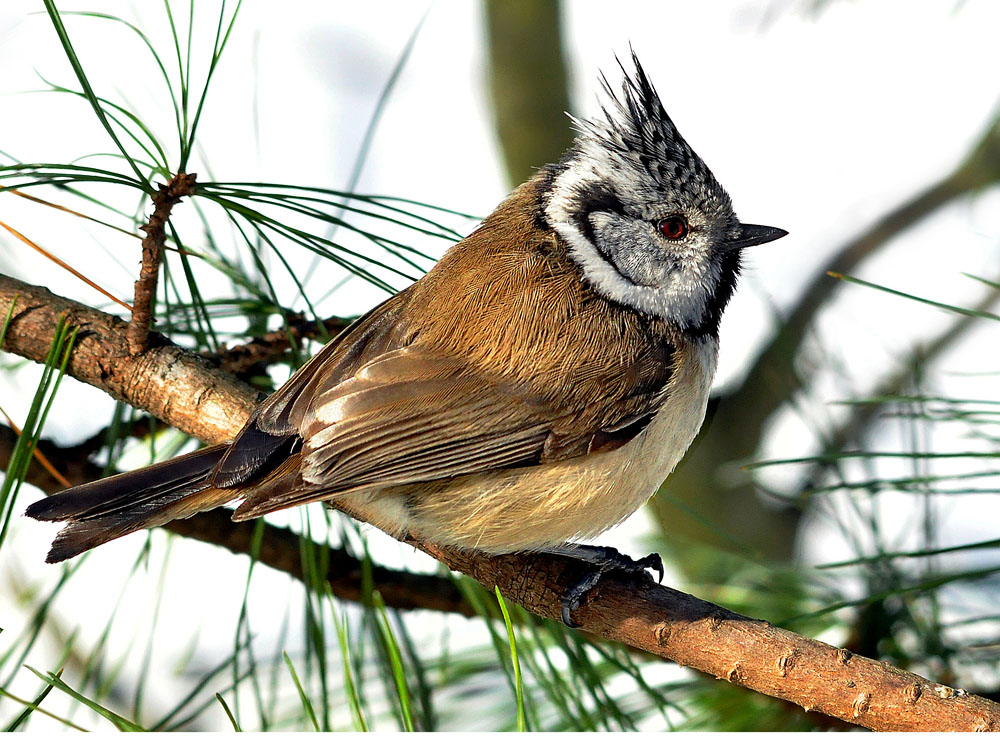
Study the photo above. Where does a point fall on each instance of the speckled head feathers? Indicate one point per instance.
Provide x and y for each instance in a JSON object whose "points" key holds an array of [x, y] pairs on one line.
{"points": [[639, 131]]}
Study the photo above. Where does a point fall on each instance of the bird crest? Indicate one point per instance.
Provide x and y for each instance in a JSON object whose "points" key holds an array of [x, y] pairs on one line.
{"points": [[638, 131]]}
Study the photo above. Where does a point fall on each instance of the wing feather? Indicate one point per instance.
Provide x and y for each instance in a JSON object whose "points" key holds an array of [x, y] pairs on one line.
{"points": [[272, 432], [409, 415], [378, 429]]}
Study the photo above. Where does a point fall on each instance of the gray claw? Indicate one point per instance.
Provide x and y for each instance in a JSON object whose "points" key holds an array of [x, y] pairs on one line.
{"points": [[603, 560]]}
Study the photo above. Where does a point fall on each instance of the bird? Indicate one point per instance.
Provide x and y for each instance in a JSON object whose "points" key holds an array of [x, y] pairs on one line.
{"points": [[531, 391]]}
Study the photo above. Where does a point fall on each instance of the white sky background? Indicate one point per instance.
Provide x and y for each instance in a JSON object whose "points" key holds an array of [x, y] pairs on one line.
{"points": [[817, 122]]}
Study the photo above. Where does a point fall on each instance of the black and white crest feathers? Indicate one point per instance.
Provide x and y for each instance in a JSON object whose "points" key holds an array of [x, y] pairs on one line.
{"points": [[638, 130]]}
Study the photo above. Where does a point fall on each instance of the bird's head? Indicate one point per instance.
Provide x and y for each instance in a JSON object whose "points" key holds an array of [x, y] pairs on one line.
{"points": [[644, 217]]}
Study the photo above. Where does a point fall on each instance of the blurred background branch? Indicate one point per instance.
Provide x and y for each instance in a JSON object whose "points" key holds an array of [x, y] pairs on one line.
{"points": [[528, 82], [739, 418]]}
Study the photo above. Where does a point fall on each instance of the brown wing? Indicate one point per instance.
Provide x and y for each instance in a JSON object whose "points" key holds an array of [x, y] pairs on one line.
{"points": [[272, 432], [413, 416]]}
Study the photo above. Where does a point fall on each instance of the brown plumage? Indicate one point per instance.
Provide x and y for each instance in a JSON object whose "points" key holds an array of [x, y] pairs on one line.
{"points": [[512, 373], [535, 387]]}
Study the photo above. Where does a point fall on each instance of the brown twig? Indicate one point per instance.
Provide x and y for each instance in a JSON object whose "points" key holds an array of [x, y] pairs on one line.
{"points": [[738, 649], [669, 623], [152, 251], [271, 347]]}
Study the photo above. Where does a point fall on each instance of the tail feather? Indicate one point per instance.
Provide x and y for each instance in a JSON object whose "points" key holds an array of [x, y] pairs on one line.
{"points": [[109, 508]]}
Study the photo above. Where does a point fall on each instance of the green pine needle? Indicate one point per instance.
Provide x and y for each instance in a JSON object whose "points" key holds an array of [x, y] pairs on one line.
{"points": [[519, 687]]}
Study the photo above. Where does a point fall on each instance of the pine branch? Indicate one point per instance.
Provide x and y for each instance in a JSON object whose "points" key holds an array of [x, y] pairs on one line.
{"points": [[168, 381], [662, 621]]}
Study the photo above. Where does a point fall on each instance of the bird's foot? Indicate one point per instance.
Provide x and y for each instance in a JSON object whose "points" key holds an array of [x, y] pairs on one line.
{"points": [[603, 560]]}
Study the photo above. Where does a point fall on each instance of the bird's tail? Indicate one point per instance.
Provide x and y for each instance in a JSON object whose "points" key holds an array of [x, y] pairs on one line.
{"points": [[98, 512]]}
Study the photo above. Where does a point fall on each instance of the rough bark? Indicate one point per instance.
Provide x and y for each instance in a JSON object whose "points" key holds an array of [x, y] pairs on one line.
{"points": [[738, 649], [168, 381], [662, 621]]}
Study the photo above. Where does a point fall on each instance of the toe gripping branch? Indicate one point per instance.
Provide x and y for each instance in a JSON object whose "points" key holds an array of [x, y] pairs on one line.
{"points": [[602, 561]]}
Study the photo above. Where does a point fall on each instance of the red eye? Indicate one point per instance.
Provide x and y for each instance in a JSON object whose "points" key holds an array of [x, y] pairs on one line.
{"points": [[673, 227]]}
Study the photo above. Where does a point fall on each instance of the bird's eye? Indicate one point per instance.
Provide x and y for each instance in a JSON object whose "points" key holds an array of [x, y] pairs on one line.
{"points": [[673, 227]]}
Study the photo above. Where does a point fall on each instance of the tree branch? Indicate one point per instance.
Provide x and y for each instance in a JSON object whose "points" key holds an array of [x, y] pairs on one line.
{"points": [[170, 382], [281, 549], [640, 614], [524, 37]]}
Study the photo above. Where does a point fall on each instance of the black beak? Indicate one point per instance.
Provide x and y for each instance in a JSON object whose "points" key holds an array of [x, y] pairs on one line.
{"points": [[748, 235]]}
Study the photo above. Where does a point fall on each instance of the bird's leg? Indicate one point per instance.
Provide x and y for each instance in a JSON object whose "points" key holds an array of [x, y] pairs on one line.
{"points": [[602, 560]]}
